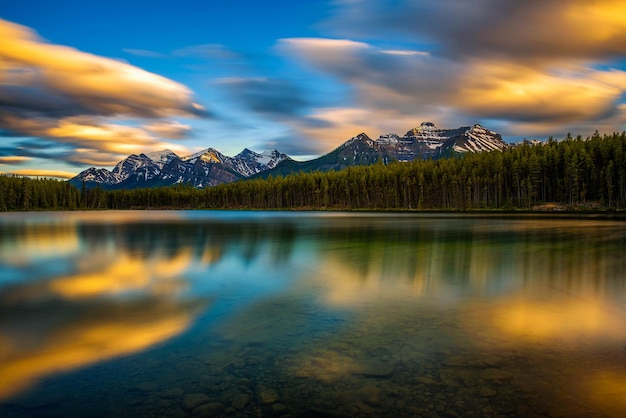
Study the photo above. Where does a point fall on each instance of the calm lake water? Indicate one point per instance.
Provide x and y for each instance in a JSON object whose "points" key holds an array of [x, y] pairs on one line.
{"points": [[132, 314]]}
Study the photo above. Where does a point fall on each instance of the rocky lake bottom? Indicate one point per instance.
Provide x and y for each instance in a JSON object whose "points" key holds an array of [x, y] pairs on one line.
{"points": [[345, 329]]}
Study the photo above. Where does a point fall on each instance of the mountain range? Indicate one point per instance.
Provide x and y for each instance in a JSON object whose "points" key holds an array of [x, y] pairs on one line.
{"points": [[209, 167]]}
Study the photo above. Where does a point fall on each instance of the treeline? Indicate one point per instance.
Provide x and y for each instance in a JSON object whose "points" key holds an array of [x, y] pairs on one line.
{"points": [[21, 193], [571, 173]]}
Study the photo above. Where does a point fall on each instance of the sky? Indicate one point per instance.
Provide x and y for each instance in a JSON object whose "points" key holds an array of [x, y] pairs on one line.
{"points": [[86, 83]]}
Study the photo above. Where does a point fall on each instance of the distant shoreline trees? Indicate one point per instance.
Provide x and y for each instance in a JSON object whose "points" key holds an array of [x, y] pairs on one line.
{"points": [[570, 174]]}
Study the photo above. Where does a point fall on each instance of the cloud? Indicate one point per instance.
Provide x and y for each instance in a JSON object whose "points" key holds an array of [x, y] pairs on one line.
{"points": [[88, 102], [510, 92], [269, 96], [535, 64], [86, 140], [535, 29], [43, 173], [445, 89], [145, 53], [169, 129], [83, 83], [207, 51], [14, 160]]}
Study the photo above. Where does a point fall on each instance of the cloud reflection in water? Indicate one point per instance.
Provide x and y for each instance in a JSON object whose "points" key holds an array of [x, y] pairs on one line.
{"points": [[330, 297]]}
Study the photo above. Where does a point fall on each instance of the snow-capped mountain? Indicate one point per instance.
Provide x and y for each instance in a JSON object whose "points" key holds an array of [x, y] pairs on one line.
{"points": [[429, 141], [98, 176], [424, 141], [162, 168], [475, 139], [161, 157], [209, 167]]}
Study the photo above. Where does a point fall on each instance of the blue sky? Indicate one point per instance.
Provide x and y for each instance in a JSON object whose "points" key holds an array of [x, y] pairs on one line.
{"points": [[87, 83]]}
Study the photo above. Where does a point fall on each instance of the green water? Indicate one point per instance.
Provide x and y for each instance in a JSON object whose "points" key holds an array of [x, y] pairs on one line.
{"points": [[132, 314]]}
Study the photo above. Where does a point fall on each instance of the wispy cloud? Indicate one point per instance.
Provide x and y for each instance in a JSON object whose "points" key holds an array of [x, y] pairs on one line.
{"points": [[207, 52], [14, 160], [84, 100], [271, 96], [145, 53], [42, 173], [539, 30], [169, 129], [520, 64]]}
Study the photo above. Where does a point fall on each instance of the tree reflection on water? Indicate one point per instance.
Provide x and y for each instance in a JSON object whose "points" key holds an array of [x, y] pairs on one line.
{"points": [[192, 313]]}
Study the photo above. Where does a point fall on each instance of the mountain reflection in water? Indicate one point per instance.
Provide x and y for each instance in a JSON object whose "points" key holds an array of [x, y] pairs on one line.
{"points": [[272, 313]]}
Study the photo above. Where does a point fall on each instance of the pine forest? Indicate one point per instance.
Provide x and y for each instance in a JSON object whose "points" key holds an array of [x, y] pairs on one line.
{"points": [[571, 174]]}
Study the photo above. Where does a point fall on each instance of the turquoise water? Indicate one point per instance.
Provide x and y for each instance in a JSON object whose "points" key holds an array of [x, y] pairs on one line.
{"points": [[129, 314]]}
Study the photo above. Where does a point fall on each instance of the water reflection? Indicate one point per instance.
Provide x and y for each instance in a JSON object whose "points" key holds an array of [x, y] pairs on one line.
{"points": [[314, 314]]}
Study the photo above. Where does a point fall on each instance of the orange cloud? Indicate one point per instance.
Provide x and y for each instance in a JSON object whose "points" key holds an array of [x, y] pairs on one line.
{"points": [[43, 173], [504, 90], [96, 140], [93, 84], [84, 100], [13, 160], [169, 129], [400, 86]]}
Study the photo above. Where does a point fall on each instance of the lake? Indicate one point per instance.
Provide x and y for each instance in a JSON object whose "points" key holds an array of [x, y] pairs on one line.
{"points": [[226, 313]]}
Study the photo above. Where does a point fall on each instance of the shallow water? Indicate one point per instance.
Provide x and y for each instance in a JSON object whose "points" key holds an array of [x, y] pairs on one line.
{"points": [[129, 314]]}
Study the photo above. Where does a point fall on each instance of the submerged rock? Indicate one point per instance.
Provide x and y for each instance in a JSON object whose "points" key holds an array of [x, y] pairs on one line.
{"points": [[268, 396], [193, 400], [496, 374], [240, 401], [212, 409]]}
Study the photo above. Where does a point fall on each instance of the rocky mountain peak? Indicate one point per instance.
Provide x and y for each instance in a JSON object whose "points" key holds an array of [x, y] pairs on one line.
{"points": [[248, 154], [209, 167]]}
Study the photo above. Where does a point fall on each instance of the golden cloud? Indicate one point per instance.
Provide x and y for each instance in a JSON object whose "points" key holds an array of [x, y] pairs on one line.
{"points": [[77, 98], [93, 84], [400, 86], [96, 141], [14, 160], [539, 31], [503, 90], [169, 129], [42, 173]]}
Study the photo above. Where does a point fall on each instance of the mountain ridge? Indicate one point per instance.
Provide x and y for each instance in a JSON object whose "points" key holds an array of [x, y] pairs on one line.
{"points": [[209, 167]]}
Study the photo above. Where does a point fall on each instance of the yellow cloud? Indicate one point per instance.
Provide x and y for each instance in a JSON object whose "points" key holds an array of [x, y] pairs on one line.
{"points": [[13, 160], [78, 98], [105, 132], [505, 90], [605, 20], [339, 124], [448, 89], [169, 129], [42, 173], [101, 85], [97, 141]]}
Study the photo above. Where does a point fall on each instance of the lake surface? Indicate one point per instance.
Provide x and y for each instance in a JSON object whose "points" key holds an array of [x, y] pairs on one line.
{"points": [[132, 314]]}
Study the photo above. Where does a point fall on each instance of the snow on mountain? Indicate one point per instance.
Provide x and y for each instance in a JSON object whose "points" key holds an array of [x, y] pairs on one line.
{"points": [[161, 157], [98, 175], [475, 139], [208, 167], [271, 158], [209, 155], [422, 142]]}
